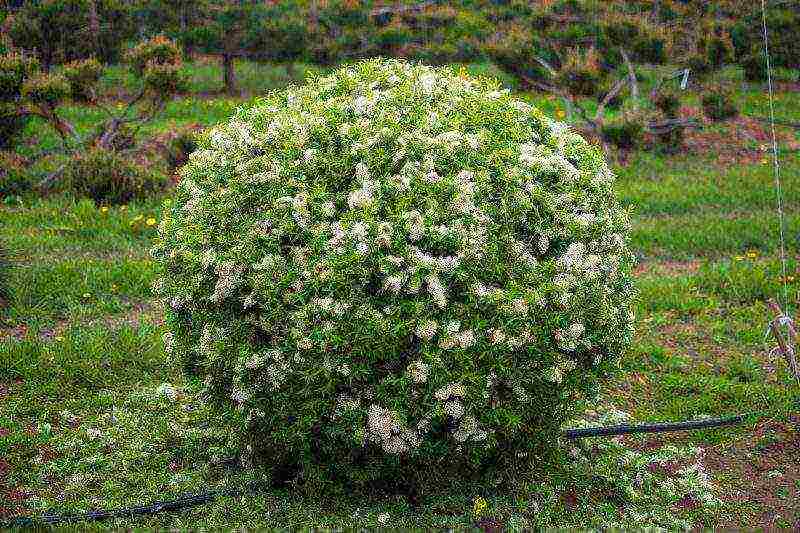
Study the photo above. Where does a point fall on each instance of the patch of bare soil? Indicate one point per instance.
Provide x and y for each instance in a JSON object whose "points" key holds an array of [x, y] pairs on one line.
{"points": [[740, 140], [766, 471], [667, 268], [759, 475], [134, 317]]}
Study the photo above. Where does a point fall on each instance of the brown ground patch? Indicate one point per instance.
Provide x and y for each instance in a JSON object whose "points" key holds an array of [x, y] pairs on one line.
{"points": [[134, 317], [740, 140], [666, 268], [765, 467]]}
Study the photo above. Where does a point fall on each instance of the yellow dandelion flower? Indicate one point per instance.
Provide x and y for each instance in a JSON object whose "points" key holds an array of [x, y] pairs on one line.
{"points": [[151, 221], [560, 113], [479, 506], [104, 209], [752, 255]]}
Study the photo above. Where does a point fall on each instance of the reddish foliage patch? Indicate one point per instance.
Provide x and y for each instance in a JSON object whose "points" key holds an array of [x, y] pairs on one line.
{"points": [[569, 499], [667, 468], [490, 525], [687, 503], [742, 140]]}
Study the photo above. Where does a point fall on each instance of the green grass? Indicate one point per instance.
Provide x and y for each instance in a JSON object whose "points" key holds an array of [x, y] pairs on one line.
{"points": [[81, 360]]}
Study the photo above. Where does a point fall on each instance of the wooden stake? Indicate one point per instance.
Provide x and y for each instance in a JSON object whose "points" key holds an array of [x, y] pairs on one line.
{"points": [[785, 344]]}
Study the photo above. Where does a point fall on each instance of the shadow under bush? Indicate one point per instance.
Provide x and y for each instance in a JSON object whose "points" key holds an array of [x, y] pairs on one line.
{"points": [[109, 177]]}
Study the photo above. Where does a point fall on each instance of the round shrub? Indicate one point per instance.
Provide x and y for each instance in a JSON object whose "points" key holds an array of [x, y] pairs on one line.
{"points": [[668, 101], [719, 104], [46, 89], [108, 177], [395, 265], [83, 75], [582, 74], [755, 66], [15, 177], [626, 131]]}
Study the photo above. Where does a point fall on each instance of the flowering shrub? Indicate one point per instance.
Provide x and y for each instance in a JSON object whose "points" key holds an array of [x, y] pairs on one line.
{"points": [[396, 265]]}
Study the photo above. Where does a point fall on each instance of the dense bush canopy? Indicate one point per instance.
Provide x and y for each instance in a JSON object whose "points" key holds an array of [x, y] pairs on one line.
{"points": [[395, 261]]}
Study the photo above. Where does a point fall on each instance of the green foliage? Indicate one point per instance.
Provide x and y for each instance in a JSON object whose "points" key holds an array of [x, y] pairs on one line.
{"points": [[283, 37], [158, 62], [14, 178], [159, 50], [61, 30], [627, 130], [15, 68], [581, 73], [515, 52], [367, 268], [179, 148], [719, 50], [47, 90], [83, 76], [718, 103], [668, 101], [699, 65], [783, 26], [754, 65], [108, 177]]}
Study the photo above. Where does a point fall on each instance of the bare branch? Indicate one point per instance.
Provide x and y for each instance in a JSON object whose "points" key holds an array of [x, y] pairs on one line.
{"points": [[615, 90], [631, 77]]}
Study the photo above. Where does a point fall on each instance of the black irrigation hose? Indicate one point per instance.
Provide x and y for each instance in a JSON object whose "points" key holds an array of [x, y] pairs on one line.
{"points": [[183, 502], [625, 429], [194, 500]]}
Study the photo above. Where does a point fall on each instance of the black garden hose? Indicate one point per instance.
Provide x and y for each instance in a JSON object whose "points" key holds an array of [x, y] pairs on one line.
{"points": [[194, 500]]}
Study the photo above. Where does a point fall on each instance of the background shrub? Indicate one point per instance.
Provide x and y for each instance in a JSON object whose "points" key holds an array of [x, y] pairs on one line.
{"points": [[719, 104], [179, 148], [395, 267], [754, 65], [108, 177], [14, 177], [627, 130], [668, 101]]}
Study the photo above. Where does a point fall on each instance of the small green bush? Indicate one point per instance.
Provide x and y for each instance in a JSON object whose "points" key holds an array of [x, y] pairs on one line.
{"points": [[14, 177], [12, 122], [394, 269], [699, 65], [179, 149], [5, 274], [82, 76], [754, 65], [626, 131], [15, 70], [581, 73], [668, 101], [719, 50], [108, 177], [46, 89], [719, 104]]}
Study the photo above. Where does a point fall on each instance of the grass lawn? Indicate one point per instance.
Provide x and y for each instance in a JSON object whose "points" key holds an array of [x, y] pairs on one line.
{"points": [[93, 416]]}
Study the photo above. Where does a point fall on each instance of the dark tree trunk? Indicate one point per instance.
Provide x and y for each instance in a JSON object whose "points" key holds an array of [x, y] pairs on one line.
{"points": [[94, 29], [229, 74]]}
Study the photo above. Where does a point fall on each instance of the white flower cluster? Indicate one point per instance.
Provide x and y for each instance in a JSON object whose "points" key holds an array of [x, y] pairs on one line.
{"points": [[399, 233]]}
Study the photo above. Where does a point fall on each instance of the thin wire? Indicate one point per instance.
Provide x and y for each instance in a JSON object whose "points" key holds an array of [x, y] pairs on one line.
{"points": [[775, 161]]}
